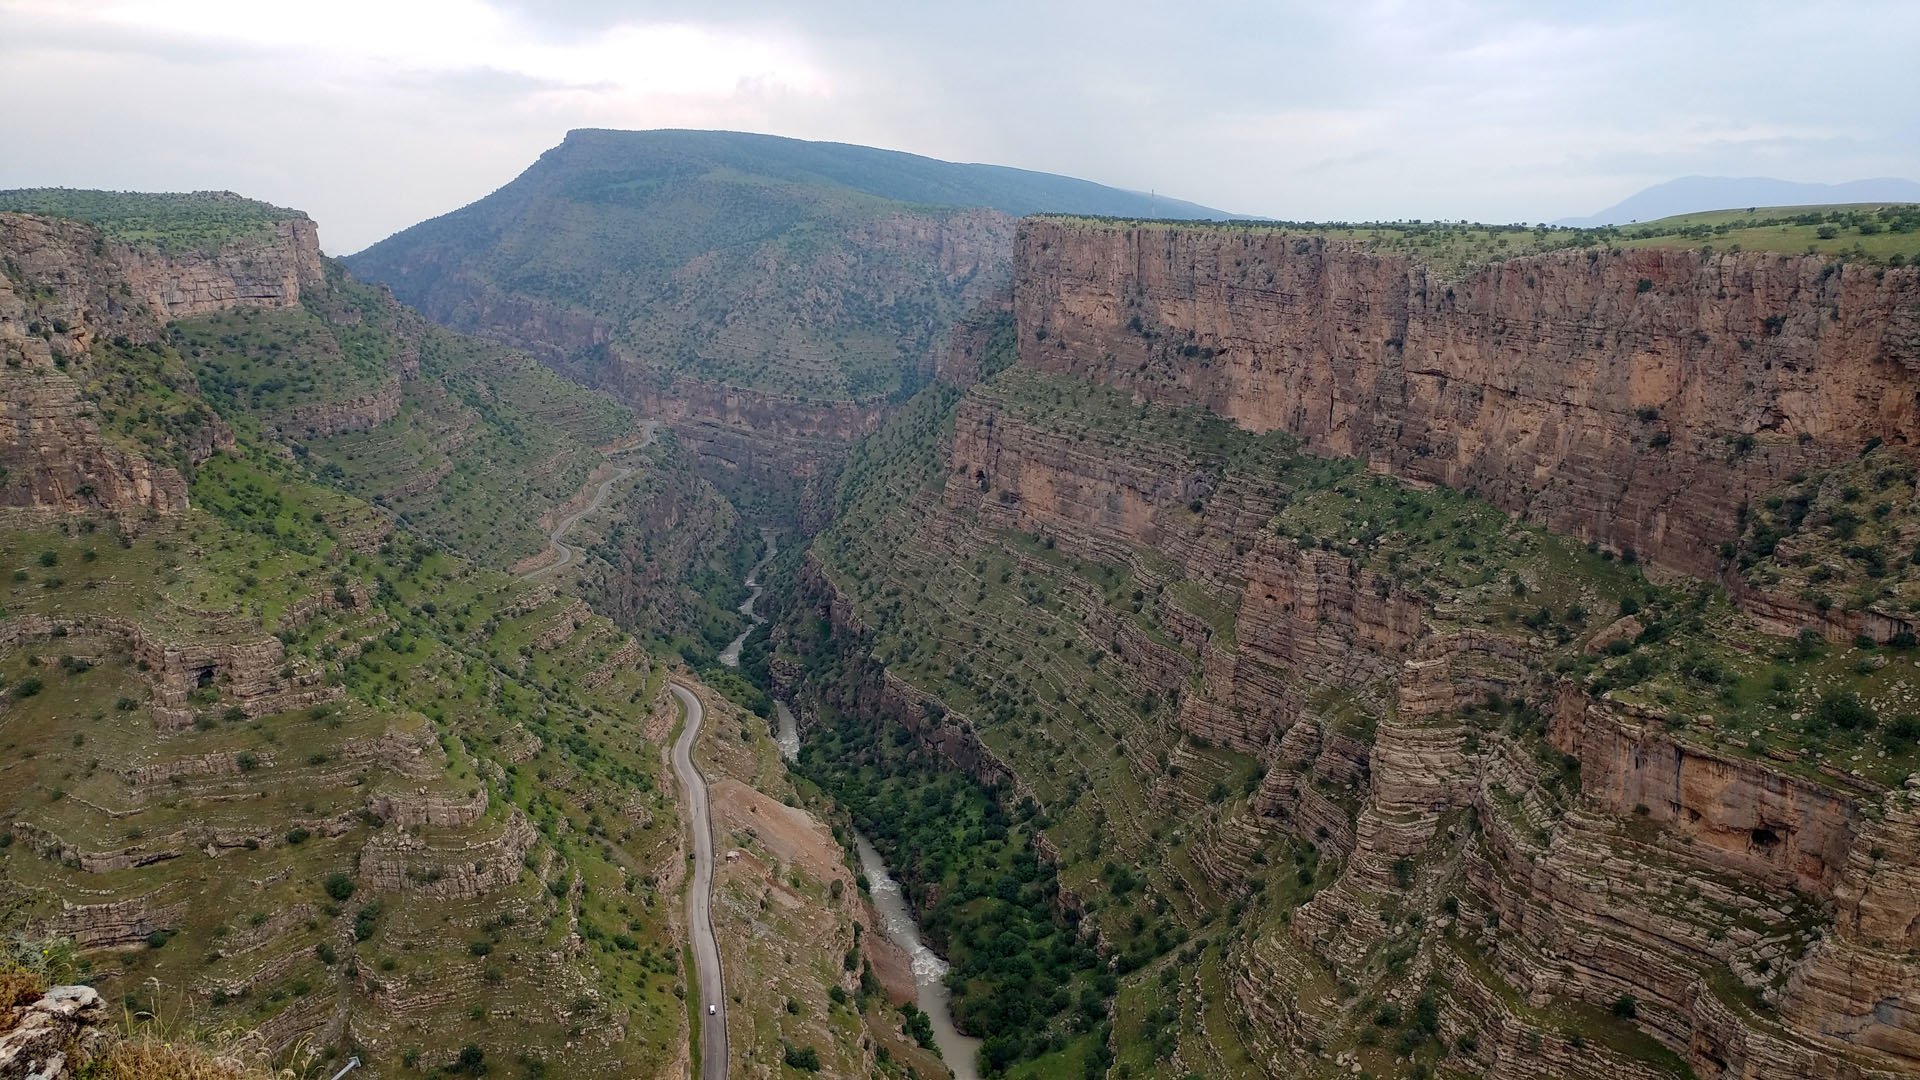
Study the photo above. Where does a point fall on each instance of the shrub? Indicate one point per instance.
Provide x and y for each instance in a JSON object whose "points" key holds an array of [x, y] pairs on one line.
{"points": [[339, 886], [1904, 732], [1844, 710], [804, 1058], [1625, 1007], [472, 1062], [1403, 872]]}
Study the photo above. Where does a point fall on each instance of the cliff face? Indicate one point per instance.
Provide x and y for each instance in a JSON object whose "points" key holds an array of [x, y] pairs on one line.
{"points": [[1636, 398], [264, 272], [1122, 603], [67, 290]]}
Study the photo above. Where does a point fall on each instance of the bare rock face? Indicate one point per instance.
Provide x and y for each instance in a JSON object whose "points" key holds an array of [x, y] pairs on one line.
{"points": [[1558, 386], [1777, 829], [1759, 919], [67, 290], [252, 675], [48, 1039], [56, 459], [363, 413], [112, 924], [393, 861], [263, 272]]}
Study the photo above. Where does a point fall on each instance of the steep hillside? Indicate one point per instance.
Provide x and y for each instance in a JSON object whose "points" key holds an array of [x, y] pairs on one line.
{"points": [[1349, 771], [187, 317], [275, 764], [765, 296]]}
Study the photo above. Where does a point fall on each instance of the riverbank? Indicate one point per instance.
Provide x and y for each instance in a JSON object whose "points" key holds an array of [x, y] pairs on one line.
{"points": [[896, 916]]}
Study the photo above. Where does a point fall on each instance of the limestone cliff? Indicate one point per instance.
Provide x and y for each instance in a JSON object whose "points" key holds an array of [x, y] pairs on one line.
{"points": [[1110, 601], [1638, 398], [75, 308]]}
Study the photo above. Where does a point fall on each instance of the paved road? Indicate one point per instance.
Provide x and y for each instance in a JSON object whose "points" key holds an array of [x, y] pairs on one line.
{"points": [[567, 552], [706, 950]]}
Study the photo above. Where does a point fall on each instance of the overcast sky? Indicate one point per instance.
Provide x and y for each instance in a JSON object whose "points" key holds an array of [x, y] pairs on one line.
{"points": [[374, 114]]}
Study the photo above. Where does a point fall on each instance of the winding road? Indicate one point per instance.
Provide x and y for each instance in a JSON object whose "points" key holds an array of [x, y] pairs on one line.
{"points": [[568, 553], [706, 950]]}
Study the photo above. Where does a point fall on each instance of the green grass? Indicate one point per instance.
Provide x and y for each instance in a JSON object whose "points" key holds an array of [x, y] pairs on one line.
{"points": [[200, 221], [692, 975], [1887, 234], [449, 680], [1872, 232], [485, 439]]}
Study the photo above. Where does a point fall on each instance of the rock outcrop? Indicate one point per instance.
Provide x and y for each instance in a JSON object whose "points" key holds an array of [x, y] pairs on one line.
{"points": [[1637, 398], [1606, 889], [51, 1038], [68, 292]]}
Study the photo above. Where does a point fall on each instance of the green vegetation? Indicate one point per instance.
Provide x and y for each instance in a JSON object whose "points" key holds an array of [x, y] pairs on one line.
{"points": [[470, 450], [199, 221], [1019, 636], [1887, 235], [392, 673], [1014, 966], [813, 271]]}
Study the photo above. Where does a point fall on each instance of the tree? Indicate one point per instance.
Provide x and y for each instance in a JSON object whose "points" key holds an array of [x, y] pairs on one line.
{"points": [[472, 1061], [339, 886]]}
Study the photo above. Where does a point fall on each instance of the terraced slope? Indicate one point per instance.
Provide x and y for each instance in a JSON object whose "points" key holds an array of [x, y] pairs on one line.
{"points": [[275, 762], [1352, 774]]}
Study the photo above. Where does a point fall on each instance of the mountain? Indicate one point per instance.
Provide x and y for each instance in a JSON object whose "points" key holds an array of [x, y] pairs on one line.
{"points": [[632, 165], [767, 297], [1256, 650], [1693, 194]]}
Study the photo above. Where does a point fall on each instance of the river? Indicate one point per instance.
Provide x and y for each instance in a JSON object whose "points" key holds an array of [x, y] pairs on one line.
{"points": [[730, 655], [896, 916]]}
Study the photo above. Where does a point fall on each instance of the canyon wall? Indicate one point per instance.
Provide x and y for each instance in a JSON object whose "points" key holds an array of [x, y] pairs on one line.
{"points": [[1637, 398], [1606, 888], [68, 291]]}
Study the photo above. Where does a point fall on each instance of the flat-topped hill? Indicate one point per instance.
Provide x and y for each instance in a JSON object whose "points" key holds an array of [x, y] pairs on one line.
{"points": [[171, 221], [1880, 233]]}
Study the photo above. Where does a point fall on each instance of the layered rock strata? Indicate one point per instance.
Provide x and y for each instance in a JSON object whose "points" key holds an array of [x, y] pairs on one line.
{"points": [[1637, 398]]}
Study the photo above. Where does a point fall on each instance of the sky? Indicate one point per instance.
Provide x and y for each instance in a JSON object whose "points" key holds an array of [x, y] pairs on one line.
{"points": [[372, 115]]}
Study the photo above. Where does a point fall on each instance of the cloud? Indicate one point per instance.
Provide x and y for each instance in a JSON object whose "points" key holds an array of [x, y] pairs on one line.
{"points": [[372, 114]]}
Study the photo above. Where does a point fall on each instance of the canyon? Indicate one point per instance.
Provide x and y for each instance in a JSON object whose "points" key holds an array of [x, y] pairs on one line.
{"points": [[1245, 650], [1588, 391], [1229, 462], [769, 299]]}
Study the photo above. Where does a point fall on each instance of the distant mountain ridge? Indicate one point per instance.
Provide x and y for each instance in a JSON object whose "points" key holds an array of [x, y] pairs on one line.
{"points": [[1694, 194], [680, 153], [768, 297]]}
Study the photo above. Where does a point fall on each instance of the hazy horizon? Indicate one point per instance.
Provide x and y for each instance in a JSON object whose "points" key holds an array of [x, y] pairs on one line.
{"points": [[374, 117]]}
